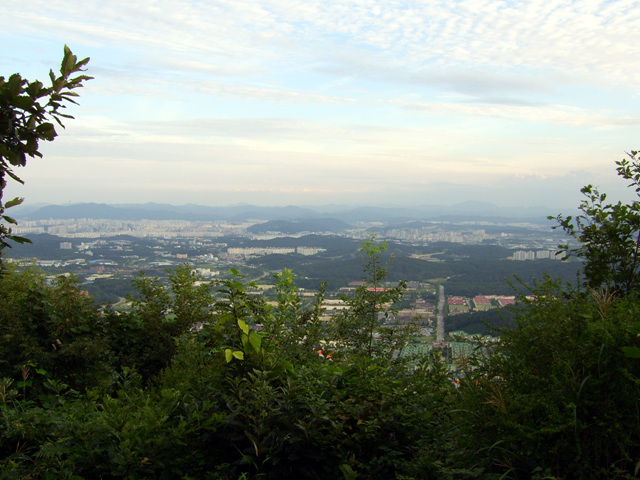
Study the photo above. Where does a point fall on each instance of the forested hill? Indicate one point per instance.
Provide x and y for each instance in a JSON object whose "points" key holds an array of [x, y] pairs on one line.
{"points": [[289, 227], [468, 278]]}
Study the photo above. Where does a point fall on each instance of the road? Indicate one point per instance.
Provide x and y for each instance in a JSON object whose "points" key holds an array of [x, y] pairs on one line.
{"points": [[440, 320]]}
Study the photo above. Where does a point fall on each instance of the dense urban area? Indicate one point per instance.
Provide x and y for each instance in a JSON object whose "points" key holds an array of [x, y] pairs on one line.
{"points": [[475, 261]]}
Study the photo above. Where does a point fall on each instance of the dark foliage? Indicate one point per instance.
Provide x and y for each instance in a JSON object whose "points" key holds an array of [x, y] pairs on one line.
{"points": [[27, 112], [609, 234]]}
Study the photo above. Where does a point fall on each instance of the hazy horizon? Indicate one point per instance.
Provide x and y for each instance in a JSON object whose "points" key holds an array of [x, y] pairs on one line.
{"points": [[483, 211], [29, 204], [358, 102]]}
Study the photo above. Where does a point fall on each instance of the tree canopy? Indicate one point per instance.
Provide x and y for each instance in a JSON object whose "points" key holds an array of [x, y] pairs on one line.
{"points": [[29, 113], [608, 234]]}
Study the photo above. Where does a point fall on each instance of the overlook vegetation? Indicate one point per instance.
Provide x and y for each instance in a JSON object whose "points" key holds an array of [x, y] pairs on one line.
{"points": [[201, 380]]}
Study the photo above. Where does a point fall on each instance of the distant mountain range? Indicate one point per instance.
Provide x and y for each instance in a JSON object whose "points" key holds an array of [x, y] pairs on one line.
{"points": [[467, 211]]}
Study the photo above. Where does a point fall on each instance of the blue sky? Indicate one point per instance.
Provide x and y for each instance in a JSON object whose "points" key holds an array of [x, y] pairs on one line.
{"points": [[305, 102]]}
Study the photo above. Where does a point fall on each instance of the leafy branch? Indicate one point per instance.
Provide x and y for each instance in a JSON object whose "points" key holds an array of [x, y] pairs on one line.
{"points": [[28, 111]]}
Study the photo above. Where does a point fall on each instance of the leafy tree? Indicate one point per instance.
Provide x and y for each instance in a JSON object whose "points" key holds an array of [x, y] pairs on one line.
{"points": [[608, 234], [28, 111], [359, 330], [54, 327], [144, 338], [294, 329], [191, 299], [177, 406], [557, 397]]}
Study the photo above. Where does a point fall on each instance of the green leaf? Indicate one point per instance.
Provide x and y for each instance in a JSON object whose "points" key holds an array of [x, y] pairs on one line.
{"points": [[256, 341], [348, 472], [230, 355], [239, 355], [46, 131], [14, 202], [68, 62], [23, 102], [631, 352], [243, 326], [13, 175]]}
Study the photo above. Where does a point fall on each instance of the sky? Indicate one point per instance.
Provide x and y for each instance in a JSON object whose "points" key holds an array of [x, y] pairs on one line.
{"points": [[306, 102]]}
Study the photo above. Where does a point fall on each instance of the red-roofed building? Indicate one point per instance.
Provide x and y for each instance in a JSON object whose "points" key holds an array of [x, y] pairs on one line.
{"points": [[482, 303], [457, 305], [503, 302], [378, 289]]}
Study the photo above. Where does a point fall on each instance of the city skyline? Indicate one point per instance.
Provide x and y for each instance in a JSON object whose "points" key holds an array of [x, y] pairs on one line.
{"points": [[310, 103]]}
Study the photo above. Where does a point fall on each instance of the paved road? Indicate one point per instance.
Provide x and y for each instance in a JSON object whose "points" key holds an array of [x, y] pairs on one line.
{"points": [[440, 323]]}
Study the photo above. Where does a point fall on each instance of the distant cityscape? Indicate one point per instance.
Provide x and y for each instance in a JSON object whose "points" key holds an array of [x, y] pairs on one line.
{"points": [[106, 253], [531, 242]]}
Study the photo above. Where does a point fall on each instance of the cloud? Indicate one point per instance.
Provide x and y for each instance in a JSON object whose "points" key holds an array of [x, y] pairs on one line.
{"points": [[282, 98], [576, 36], [557, 114], [479, 48], [265, 94]]}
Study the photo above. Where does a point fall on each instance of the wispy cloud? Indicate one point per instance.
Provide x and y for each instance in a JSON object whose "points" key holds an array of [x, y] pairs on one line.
{"points": [[280, 98], [557, 114], [578, 36]]}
